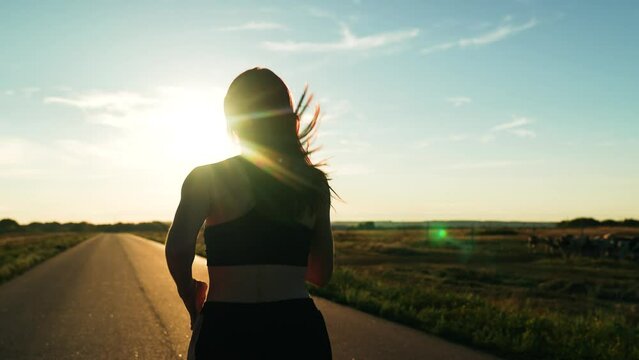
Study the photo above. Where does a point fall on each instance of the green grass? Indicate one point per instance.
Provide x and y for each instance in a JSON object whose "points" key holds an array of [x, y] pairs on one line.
{"points": [[520, 332], [488, 291], [19, 253]]}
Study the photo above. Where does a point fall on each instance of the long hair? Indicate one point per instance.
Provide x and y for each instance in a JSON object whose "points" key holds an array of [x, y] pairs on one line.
{"points": [[259, 110]]}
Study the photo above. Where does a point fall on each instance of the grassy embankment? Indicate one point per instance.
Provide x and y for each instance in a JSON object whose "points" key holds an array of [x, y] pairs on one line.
{"points": [[489, 292], [20, 252]]}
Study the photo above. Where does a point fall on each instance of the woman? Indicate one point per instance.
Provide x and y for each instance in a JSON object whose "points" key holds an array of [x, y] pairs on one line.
{"points": [[267, 231]]}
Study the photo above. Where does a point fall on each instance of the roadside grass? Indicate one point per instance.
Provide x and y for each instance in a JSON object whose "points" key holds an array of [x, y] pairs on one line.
{"points": [[20, 252], [485, 289], [514, 331]]}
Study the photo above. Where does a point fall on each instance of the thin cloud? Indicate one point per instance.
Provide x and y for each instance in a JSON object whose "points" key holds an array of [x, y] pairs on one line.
{"points": [[332, 110], [459, 101], [26, 91], [254, 25], [515, 123], [121, 101], [498, 34], [349, 41], [483, 165], [516, 127]]}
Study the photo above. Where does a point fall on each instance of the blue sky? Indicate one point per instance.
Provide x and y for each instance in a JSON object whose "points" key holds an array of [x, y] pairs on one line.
{"points": [[512, 110]]}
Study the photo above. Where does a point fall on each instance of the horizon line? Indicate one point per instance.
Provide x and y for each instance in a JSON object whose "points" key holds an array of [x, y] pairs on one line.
{"points": [[350, 221]]}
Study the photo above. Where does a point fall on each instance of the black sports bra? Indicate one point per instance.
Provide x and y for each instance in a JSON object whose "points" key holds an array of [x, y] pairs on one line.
{"points": [[255, 239]]}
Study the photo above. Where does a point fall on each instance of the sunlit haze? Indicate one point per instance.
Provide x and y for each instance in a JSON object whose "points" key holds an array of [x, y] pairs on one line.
{"points": [[432, 110]]}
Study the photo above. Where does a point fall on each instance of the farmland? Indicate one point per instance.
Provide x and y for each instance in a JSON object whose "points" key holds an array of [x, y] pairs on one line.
{"points": [[491, 291]]}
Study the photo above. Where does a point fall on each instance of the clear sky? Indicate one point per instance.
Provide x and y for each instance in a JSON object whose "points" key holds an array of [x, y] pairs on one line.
{"points": [[507, 110]]}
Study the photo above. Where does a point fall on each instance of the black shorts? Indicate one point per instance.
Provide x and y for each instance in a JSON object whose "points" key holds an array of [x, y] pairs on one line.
{"points": [[285, 329]]}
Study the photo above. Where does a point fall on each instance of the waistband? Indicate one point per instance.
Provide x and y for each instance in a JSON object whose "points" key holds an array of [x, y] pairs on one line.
{"points": [[270, 306]]}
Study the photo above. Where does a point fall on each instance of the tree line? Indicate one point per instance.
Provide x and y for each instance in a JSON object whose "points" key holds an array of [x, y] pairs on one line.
{"points": [[590, 222], [12, 226]]}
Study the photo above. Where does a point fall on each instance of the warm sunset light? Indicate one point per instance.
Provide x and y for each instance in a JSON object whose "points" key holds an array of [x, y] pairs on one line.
{"points": [[192, 124], [352, 179]]}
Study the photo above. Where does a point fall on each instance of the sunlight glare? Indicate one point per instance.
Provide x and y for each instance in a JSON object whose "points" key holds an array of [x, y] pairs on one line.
{"points": [[192, 124]]}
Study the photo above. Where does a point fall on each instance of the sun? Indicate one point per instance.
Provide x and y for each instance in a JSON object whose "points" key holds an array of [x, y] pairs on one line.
{"points": [[193, 125]]}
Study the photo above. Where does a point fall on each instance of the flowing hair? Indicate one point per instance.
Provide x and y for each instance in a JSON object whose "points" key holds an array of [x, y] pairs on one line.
{"points": [[259, 110]]}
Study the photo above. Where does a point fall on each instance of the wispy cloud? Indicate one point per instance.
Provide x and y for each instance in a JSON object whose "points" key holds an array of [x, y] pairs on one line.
{"points": [[254, 25], [458, 101], [26, 91], [121, 101], [334, 109], [483, 165], [500, 33], [516, 127], [349, 41], [515, 123]]}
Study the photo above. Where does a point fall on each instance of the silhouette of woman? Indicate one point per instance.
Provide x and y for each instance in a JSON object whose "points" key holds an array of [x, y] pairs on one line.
{"points": [[267, 231]]}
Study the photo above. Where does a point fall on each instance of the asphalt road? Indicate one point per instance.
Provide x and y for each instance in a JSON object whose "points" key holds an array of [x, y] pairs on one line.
{"points": [[112, 297]]}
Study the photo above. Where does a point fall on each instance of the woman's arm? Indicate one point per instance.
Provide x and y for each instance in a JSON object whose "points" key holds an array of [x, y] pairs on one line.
{"points": [[320, 257], [180, 242]]}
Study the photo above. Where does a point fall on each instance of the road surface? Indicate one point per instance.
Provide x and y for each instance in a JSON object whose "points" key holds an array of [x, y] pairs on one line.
{"points": [[112, 297]]}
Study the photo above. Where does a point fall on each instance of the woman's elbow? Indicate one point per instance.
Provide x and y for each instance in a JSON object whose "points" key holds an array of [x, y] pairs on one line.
{"points": [[320, 278]]}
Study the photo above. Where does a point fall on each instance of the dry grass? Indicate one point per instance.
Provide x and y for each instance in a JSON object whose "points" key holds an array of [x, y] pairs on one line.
{"points": [[19, 253]]}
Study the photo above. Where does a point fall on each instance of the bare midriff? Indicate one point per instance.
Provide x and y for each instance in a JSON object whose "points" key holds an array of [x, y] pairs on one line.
{"points": [[256, 283]]}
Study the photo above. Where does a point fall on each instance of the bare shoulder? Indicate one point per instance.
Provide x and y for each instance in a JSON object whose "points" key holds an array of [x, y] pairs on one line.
{"points": [[209, 172], [201, 177]]}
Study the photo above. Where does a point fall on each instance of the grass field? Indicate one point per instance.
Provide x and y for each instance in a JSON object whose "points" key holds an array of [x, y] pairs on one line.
{"points": [[489, 291], [20, 252]]}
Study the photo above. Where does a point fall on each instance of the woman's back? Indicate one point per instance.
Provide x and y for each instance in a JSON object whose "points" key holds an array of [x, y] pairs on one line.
{"points": [[252, 256]]}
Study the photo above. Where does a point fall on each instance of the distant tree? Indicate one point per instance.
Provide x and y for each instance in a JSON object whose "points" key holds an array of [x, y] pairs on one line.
{"points": [[580, 222], [9, 225], [590, 222], [631, 222], [366, 225], [79, 227]]}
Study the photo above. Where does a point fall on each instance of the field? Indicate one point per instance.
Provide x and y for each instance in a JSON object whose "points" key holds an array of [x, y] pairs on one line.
{"points": [[20, 252], [485, 288]]}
